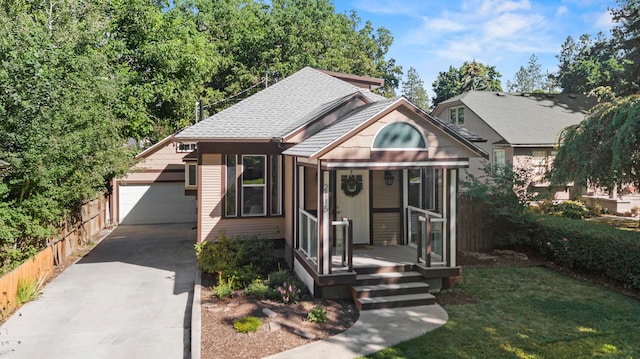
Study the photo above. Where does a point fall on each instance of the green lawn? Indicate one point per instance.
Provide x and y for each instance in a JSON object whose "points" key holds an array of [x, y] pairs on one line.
{"points": [[530, 312]]}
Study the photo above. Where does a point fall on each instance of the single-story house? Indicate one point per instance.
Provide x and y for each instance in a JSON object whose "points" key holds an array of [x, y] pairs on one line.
{"points": [[518, 128], [153, 191], [352, 182]]}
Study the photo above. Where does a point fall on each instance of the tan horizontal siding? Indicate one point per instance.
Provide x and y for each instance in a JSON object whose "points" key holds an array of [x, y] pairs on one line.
{"points": [[261, 227], [210, 194], [440, 145], [386, 196], [387, 229], [162, 158]]}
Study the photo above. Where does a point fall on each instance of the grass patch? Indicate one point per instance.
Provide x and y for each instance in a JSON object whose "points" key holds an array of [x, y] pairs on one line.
{"points": [[530, 312], [629, 224]]}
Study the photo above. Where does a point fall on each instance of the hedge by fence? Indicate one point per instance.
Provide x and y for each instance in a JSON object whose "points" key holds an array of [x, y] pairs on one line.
{"points": [[587, 246]]}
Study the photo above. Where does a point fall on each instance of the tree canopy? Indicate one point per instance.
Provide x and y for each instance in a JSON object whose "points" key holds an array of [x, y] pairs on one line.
{"points": [[413, 89], [531, 79], [470, 76], [604, 149]]}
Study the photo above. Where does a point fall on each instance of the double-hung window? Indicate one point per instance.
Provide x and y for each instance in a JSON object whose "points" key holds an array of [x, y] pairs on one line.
{"points": [[253, 185], [456, 116]]}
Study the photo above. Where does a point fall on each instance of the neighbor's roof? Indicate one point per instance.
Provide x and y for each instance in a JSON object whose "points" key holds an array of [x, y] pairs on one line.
{"points": [[274, 111], [3, 164], [525, 119]]}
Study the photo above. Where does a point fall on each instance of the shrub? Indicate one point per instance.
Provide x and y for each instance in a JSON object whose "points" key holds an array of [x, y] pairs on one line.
{"points": [[241, 260], [567, 209], [593, 247], [224, 289], [259, 290], [503, 190], [317, 315], [279, 277], [247, 324], [289, 293]]}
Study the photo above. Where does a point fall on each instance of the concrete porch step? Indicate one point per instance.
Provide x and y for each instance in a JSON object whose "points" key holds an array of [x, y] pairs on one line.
{"points": [[395, 301], [382, 290], [388, 278]]}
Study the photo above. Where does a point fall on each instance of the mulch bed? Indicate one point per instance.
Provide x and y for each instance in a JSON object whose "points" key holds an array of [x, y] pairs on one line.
{"points": [[220, 339]]}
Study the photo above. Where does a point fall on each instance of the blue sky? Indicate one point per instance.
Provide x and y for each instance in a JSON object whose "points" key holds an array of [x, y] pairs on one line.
{"points": [[431, 35]]}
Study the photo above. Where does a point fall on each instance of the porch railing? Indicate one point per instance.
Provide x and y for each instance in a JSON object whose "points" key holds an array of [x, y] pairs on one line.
{"points": [[426, 229], [342, 257], [308, 235]]}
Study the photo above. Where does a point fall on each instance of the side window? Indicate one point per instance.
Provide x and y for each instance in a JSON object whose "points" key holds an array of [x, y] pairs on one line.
{"points": [[253, 185], [231, 197], [499, 157], [456, 116]]}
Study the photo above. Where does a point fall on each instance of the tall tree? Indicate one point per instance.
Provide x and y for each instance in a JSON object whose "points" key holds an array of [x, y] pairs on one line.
{"points": [[164, 60], [59, 132], [589, 64], [255, 38], [627, 37], [604, 149], [413, 89], [528, 79], [470, 76]]}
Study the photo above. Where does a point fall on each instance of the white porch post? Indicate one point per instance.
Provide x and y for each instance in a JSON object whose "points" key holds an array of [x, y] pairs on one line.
{"points": [[326, 221], [453, 208]]}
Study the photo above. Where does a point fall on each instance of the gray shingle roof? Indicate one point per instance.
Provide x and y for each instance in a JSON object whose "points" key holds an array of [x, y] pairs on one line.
{"points": [[275, 110], [526, 119], [339, 128]]}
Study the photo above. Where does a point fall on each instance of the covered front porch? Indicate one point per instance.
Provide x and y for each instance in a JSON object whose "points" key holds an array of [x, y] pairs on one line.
{"points": [[383, 226]]}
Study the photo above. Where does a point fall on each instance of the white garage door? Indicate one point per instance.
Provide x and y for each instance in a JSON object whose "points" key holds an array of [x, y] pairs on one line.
{"points": [[156, 203]]}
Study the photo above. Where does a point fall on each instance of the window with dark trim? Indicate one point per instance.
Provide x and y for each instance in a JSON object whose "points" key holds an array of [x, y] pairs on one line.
{"points": [[192, 174], [253, 185]]}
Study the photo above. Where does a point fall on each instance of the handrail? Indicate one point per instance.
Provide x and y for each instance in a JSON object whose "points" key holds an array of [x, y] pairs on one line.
{"points": [[347, 248], [432, 215]]}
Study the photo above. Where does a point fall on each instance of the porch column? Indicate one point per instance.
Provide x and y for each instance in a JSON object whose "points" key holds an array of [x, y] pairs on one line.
{"points": [[453, 213], [324, 222]]}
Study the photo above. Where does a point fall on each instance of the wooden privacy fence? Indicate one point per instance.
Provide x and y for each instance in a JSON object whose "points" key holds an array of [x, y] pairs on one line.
{"points": [[472, 235], [91, 219]]}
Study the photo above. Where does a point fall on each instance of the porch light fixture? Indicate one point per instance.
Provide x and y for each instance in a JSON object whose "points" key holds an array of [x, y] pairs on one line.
{"points": [[388, 178]]}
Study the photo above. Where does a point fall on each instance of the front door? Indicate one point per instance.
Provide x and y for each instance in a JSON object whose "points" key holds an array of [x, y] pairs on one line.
{"points": [[352, 202]]}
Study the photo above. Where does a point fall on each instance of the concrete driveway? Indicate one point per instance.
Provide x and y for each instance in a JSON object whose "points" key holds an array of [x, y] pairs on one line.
{"points": [[130, 297]]}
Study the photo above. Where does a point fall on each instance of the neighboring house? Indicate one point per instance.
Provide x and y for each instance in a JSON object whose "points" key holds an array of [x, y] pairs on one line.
{"points": [[315, 158], [153, 192], [518, 128]]}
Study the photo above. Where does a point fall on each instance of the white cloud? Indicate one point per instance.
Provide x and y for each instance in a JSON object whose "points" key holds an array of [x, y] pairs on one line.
{"points": [[604, 20], [562, 10], [511, 25], [443, 25]]}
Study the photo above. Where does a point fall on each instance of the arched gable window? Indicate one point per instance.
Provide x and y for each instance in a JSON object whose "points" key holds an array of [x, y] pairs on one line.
{"points": [[399, 135]]}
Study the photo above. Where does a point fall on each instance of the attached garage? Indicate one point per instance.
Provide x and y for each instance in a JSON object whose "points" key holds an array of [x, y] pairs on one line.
{"points": [[154, 191], [156, 203]]}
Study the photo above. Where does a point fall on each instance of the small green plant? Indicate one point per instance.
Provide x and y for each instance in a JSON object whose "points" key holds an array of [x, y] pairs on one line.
{"points": [[26, 291], [289, 293], [278, 277], [247, 324], [224, 289], [259, 290], [317, 315]]}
